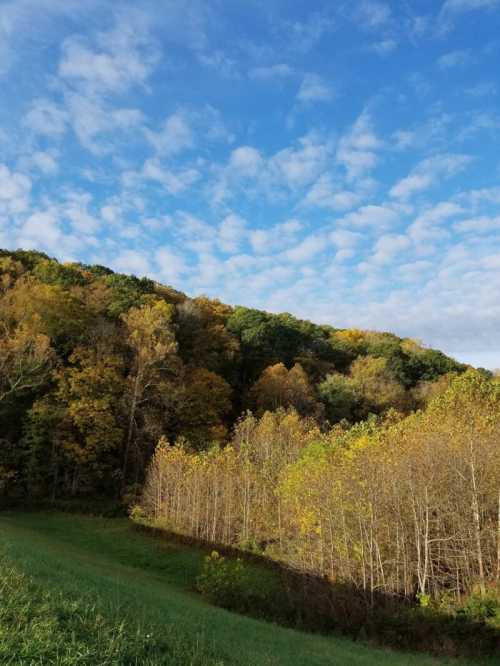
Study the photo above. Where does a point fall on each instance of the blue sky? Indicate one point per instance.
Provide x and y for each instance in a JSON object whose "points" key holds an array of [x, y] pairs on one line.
{"points": [[336, 160]]}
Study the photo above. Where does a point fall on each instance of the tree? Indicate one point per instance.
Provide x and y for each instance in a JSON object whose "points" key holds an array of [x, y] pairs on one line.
{"points": [[153, 348], [340, 398], [26, 358], [203, 404], [204, 340], [371, 378], [50, 310], [278, 387], [90, 432]]}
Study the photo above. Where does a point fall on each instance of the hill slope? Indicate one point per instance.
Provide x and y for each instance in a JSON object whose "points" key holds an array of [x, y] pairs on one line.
{"points": [[127, 579]]}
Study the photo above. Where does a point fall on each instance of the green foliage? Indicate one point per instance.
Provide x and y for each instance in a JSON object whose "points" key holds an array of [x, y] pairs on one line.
{"points": [[64, 275], [127, 291], [241, 587], [483, 607], [267, 339], [339, 397]]}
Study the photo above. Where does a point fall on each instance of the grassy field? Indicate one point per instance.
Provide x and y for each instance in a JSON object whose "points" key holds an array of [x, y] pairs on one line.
{"points": [[82, 590]]}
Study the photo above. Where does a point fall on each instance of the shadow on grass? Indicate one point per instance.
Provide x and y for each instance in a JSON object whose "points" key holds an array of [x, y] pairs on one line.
{"points": [[254, 585]]}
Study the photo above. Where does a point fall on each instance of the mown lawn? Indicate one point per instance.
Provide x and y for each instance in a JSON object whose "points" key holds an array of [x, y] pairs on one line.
{"points": [[84, 590]]}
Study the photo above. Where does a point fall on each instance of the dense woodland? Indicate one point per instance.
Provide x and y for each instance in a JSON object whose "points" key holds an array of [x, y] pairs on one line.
{"points": [[96, 367], [405, 506]]}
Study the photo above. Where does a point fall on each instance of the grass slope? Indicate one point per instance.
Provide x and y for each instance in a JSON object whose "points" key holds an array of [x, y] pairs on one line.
{"points": [[99, 592]]}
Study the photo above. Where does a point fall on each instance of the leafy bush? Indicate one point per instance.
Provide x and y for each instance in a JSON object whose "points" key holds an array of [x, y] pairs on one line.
{"points": [[238, 586], [482, 607]]}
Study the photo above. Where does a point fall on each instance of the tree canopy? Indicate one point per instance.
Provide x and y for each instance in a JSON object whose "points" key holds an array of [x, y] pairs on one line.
{"points": [[96, 367]]}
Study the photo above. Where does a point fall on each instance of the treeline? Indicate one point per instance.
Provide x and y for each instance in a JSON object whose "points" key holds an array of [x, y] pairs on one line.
{"points": [[96, 367], [395, 506]]}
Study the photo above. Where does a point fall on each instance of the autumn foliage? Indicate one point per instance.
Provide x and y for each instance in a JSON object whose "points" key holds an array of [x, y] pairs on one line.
{"points": [[96, 367], [403, 506]]}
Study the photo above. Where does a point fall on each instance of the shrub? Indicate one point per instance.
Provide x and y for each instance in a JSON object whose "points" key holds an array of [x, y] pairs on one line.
{"points": [[241, 587], [482, 607]]}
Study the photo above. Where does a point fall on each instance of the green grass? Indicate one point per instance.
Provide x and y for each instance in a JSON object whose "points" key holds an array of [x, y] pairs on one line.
{"points": [[85, 590]]}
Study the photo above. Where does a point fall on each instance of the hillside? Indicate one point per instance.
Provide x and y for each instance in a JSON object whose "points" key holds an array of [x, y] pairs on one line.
{"points": [[90, 590], [359, 468], [97, 366]]}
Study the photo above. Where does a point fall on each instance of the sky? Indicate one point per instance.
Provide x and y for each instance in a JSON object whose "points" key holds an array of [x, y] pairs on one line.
{"points": [[336, 160]]}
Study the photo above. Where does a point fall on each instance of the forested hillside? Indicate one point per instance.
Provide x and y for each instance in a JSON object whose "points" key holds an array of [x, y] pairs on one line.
{"points": [[363, 466], [96, 367]]}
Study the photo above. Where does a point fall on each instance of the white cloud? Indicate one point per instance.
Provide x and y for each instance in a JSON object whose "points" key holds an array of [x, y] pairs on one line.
{"points": [[111, 213], [40, 161], [372, 14], [380, 217], [301, 165], [384, 46], [478, 225], [34, 22], [457, 6], [245, 160], [483, 89], [492, 261], [186, 128], [428, 173], [439, 212], [231, 233], [251, 173], [43, 230], [485, 195], [225, 66], [277, 237], [46, 118], [344, 254], [414, 270], [388, 247], [302, 36], [170, 265], [190, 226], [91, 118], [426, 231], [480, 121], [271, 276], [326, 194], [357, 150], [314, 89], [174, 136], [271, 72], [173, 181], [118, 60], [344, 238], [75, 209], [307, 249], [14, 191], [131, 261], [425, 235], [453, 9], [454, 59]]}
